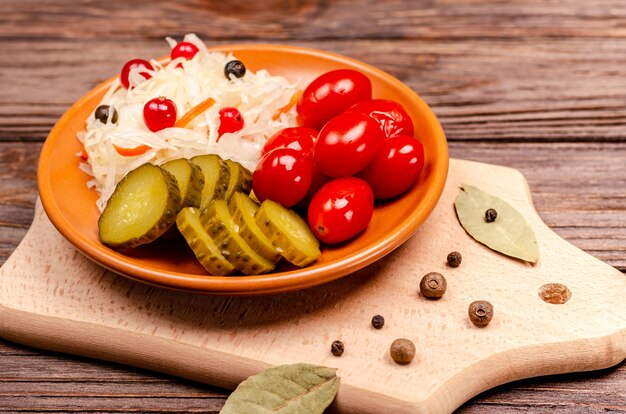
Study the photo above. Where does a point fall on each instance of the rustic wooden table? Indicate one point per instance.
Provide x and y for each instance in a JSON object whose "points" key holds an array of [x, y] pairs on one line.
{"points": [[535, 85]]}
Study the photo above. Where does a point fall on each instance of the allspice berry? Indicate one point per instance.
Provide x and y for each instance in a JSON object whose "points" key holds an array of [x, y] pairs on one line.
{"points": [[402, 351], [454, 259], [378, 321], [491, 215], [235, 68], [480, 313], [337, 348], [102, 114], [433, 285]]}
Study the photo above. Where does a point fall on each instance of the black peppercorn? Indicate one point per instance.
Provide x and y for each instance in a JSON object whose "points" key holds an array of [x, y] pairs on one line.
{"points": [[480, 313], [378, 321], [236, 68], [337, 348], [102, 114], [402, 351], [454, 259], [491, 215], [433, 285]]}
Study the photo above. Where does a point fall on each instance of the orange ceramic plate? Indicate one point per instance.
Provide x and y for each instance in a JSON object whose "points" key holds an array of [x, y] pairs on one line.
{"points": [[71, 206]]}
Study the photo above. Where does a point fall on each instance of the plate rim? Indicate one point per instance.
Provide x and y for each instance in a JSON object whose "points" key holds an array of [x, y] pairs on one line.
{"points": [[292, 280]]}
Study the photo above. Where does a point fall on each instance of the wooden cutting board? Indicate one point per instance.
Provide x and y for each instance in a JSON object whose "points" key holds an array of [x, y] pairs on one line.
{"points": [[54, 298]]}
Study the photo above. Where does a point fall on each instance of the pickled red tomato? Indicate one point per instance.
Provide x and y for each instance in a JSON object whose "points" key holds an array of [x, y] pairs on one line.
{"points": [[331, 94], [392, 117], [341, 209], [396, 167], [298, 138], [347, 144], [283, 175]]}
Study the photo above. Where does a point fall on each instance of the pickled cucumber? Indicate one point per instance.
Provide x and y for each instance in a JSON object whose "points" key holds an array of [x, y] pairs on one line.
{"points": [[190, 181], [220, 226], [208, 254], [142, 207], [242, 208], [216, 177], [240, 179], [289, 232], [253, 197]]}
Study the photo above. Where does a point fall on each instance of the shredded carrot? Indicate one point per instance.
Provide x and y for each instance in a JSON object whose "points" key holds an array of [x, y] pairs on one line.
{"points": [[84, 155], [194, 112], [286, 108], [131, 152]]}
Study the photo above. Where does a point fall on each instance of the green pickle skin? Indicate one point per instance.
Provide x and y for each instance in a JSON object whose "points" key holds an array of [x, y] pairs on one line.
{"points": [[220, 226], [288, 232], [191, 188], [243, 208], [240, 179], [108, 225], [205, 249], [225, 228], [216, 177]]}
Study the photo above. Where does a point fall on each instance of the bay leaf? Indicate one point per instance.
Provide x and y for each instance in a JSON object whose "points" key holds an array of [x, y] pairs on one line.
{"points": [[509, 234], [285, 389]]}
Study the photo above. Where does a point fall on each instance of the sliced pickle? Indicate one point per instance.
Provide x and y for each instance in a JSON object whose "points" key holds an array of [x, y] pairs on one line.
{"points": [[254, 198], [222, 229], [216, 177], [289, 232], [190, 181], [208, 254], [142, 207], [240, 179], [242, 208]]}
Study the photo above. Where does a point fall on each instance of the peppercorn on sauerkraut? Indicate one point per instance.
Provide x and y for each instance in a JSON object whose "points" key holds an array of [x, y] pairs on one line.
{"points": [[258, 96]]}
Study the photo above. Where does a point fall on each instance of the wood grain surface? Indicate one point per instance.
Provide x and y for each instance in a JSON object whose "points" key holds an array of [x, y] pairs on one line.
{"points": [[54, 298], [536, 85]]}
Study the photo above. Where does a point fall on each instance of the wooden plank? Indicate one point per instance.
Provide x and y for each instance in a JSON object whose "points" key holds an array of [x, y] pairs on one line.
{"points": [[578, 189], [312, 19], [576, 393], [102, 381], [495, 90], [113, 388], [18, 189], [498, 71], [90, 403]]}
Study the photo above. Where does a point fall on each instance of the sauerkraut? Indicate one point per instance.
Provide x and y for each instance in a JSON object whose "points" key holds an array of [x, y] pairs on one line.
{"points": [[259, 97]]}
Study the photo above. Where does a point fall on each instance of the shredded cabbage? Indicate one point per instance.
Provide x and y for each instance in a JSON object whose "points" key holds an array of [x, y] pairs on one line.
{"points": [[258, 96]]}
